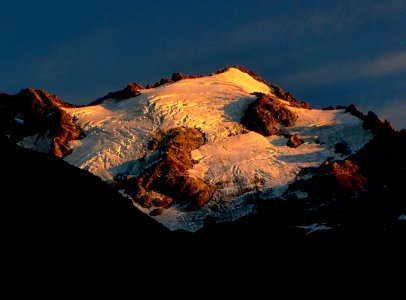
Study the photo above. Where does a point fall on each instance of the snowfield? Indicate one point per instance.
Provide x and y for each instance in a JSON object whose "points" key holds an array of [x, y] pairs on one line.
{"points": [[240, 163]]}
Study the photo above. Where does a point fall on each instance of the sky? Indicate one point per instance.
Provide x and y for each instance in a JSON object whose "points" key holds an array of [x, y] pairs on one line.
{"points": [[324, 52]]}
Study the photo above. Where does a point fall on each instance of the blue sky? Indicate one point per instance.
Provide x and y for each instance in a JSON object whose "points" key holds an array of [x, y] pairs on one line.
{"points": [[324, 52]]}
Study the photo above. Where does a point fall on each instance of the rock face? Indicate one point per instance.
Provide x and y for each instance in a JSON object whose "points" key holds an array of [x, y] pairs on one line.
{"points": [[38, 113], [264, 113], [375, 124], [167, 180]]}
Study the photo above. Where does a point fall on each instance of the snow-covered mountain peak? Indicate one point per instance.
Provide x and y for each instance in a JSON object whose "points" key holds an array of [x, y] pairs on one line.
{"points": [[194, 151], [213, 104], [226, 170], [118, 130]]}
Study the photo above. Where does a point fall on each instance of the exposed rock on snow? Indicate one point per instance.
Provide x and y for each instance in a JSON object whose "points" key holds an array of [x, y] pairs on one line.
{"points": [[167, 179], [265, 113], [38, 121], [294, 141], [179, 76], [131, 90], [342, 147]]}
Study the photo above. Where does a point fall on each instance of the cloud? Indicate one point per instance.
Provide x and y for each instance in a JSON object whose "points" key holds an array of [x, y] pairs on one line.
{"points": [[387, 64], [361, 68]]}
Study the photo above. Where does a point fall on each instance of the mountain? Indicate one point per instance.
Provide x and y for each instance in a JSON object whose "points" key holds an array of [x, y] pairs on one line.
{"points": [[225, 157]]}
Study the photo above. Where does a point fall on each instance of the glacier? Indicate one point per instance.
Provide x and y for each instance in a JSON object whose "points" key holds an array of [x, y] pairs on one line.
{"points": [[242, 164]]}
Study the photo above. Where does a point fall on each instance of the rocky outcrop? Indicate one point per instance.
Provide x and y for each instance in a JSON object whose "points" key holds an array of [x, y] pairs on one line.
{"points": [[264, 113], [179, 76], [342, 175], [131, 90], [36, 112], [160, 82], [168, 181], [154, 199], [352, 109], [294, 141], [343, 148], [289, 97], [375, 124], [371, 120]]}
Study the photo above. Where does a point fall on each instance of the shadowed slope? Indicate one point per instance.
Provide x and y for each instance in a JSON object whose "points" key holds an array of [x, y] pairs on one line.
{"points": [[48, 203]]}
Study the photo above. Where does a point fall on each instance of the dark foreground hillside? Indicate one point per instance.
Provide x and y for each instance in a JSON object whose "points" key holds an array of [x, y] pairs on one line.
{"points": [[60, 222], [44, 199], [50, 206]]}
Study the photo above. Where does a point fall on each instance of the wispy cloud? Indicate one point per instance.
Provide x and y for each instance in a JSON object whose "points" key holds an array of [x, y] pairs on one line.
{"points": [[387, 64], [361, 68]]}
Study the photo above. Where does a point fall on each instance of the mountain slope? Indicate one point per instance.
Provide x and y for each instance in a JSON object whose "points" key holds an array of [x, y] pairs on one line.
{"points": [[241, 164], [197, 151]]}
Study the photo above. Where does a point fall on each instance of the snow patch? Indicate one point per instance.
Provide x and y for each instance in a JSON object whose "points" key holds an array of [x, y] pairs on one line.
{"points": [[19, 121], [41, 143]]}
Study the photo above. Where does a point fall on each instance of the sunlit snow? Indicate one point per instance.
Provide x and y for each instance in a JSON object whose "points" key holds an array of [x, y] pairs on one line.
{"points": [[241, 164]]}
